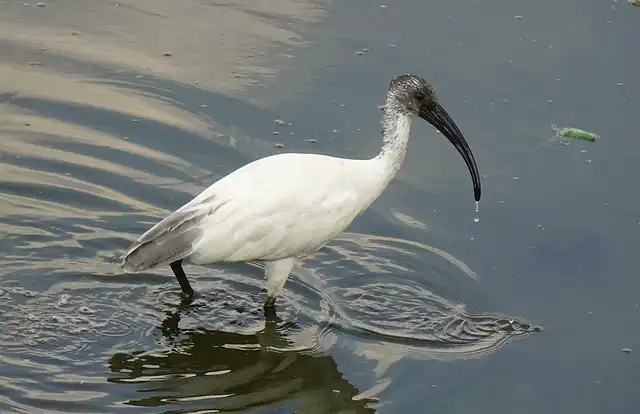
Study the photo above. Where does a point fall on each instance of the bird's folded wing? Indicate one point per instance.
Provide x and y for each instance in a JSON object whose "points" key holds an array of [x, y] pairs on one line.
{"points": [[171, 239]]}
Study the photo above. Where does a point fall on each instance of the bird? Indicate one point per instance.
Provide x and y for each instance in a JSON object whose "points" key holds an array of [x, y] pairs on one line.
{"points": [[279, 209]]}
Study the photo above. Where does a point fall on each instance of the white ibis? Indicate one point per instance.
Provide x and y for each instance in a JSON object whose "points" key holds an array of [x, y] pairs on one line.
{"points": [[283, 207]]}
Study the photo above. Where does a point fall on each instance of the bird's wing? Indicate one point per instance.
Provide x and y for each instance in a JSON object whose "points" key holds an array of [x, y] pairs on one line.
{"points": [[275, 207], [172, 238], [269, 224]]}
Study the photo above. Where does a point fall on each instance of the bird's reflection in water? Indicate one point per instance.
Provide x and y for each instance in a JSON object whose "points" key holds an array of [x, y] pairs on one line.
{"points": [[376, 299], [205, 370]]}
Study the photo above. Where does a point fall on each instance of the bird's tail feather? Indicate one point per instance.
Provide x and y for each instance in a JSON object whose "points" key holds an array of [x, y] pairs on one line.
{"points": [[171, 239]]}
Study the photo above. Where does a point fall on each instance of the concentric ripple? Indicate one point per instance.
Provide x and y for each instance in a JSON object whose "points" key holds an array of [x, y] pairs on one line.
{"points": [[395, 291]]}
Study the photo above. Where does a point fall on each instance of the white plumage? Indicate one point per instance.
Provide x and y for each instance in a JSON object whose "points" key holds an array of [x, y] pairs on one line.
{"points": [[284, 207]]}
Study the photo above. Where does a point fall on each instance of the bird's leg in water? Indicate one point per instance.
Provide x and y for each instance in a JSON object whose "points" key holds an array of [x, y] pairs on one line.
{"points": [[270, 303], [270, 314], [277, 273], [182, 278]]}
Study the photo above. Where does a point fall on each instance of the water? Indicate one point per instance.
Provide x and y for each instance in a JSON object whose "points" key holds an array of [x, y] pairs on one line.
{"points": [[115, 113]]}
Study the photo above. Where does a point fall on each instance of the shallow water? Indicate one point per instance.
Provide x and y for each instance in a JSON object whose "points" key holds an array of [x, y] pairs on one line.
{"points": [[112, 114]]}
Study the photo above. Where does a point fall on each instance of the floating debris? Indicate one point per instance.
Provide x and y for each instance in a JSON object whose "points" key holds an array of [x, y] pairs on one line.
{"points": [[279, 122], [168, 54], [278, 145], [628, 350], [574, 133], [518, 17]]}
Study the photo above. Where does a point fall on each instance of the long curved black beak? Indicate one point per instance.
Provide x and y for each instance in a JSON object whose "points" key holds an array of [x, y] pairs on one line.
{"points": [[437, 116]]}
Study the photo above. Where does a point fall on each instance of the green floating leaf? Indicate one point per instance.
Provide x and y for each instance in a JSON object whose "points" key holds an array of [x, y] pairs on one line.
{"points": [[575, 133]]}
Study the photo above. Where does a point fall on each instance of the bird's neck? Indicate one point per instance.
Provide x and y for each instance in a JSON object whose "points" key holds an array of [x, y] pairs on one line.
{"points": [[396, 125]]}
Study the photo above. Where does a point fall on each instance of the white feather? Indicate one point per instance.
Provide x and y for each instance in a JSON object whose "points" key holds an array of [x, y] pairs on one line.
{"points": [[283, 207]]}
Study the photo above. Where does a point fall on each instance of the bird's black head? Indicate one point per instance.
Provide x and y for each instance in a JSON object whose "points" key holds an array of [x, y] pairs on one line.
{"points": [[413, 95]]}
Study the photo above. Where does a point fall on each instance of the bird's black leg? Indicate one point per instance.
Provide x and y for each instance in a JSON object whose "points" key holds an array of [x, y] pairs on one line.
{"points": [[270, 302], [270, 313], [182, 278]]}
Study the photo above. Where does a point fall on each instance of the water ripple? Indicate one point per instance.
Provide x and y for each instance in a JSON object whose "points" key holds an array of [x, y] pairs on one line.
{"points": [[217, 351], [401, 299]]}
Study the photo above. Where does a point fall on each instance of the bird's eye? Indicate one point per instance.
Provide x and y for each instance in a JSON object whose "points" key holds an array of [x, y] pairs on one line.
{"points": [[420, 95]]}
